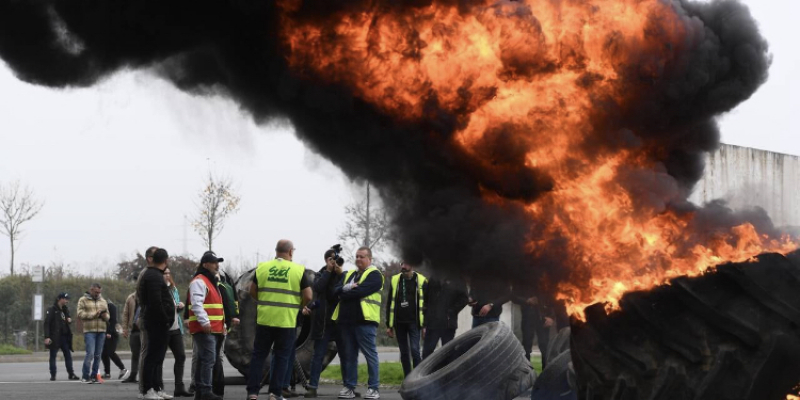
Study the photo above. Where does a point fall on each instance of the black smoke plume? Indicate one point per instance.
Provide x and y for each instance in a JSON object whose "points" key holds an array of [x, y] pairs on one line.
{"points": [[434, 191]]}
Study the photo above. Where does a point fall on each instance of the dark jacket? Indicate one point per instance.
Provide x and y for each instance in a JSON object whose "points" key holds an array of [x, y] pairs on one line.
{"points": [[325, 295], [155, 300], [413, 301], [111, 328], [350, 301], [489, 291], [229, 304], [444, 299], [56, 325]]}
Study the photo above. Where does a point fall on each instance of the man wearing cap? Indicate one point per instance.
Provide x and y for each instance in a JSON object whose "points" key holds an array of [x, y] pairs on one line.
{"points": [[58, 335], [281, 291], [206, 322]]}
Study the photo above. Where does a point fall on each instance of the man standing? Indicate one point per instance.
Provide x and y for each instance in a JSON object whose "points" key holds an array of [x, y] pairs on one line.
{"points": [[206, 322], [444, 299], [404, 315], [130, 330], [487, 298], [93, 311], [280, 290], [58, 335], [155, 319], [110, 345], [533, 322], [358, 315], [323, 326]]}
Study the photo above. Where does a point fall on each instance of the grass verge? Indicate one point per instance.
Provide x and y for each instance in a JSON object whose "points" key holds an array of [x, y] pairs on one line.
{"points": [[7, 350], [392, 372]]}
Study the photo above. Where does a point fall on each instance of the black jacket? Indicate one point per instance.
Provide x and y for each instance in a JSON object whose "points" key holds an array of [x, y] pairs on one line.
{"points": [[325, 295], [56, 325], [155, 300], [111, 324], [444, 299], [489, 291]]}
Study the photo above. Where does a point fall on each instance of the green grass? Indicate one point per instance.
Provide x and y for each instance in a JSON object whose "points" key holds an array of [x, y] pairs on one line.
{"points": [[7, 349], [392, 372]]}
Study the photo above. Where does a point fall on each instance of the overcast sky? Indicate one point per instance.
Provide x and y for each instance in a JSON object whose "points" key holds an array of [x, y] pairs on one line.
{"points": [[119, 165]]}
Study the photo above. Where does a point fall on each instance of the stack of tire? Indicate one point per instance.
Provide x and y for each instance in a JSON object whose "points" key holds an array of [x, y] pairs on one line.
{"points": [[487, 362], [557, 380], [730, 334]]}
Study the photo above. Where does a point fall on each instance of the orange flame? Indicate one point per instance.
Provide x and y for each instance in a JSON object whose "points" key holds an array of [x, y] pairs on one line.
{"points": [[538, 68]]}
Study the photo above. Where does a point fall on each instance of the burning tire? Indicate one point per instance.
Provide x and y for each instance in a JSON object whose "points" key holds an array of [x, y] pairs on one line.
{"points": [[485, 363], [729, 334], [239, 344]]}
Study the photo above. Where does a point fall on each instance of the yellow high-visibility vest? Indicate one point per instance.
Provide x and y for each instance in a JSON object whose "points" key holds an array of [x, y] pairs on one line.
{"points": [[370, 305], [279, 296], [419, 298]]}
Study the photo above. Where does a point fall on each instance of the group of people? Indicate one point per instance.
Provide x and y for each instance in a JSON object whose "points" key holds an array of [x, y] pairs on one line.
{"points": [[344, 306]]}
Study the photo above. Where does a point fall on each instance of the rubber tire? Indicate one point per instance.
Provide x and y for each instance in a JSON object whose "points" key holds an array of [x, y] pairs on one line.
{"points": [[239, 343], [557, 380], [730, 334], [487, 362]]}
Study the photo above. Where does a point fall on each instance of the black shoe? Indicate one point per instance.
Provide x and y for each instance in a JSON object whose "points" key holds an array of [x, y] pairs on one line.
{"points": [[73, 377], [210, 396], [180, 391], [52, 377], [310, 393], [288, 393], [106, 376], [94, 380], [130, 380]]}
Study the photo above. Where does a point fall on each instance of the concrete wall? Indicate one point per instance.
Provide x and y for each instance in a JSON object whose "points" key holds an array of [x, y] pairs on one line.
{"points": [[749, 177]]}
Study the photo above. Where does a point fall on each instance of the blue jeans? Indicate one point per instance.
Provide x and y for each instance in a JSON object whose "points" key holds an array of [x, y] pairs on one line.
{"points": [[478, 321], [407, 335], [205, 344], [355, 337], [283, 341], [320, 349], [94, 349], [64, 347]]}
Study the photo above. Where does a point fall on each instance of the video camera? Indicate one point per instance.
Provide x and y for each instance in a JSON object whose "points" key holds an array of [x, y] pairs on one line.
{"points": [[337, 250]]}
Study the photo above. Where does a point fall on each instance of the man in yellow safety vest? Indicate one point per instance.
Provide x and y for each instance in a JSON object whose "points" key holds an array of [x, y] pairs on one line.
{"points": [[405, 313], [281, 292], [358, 315]]}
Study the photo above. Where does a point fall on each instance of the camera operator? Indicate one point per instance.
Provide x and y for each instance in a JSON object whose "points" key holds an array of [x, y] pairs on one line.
{"points": [[323, 326]]}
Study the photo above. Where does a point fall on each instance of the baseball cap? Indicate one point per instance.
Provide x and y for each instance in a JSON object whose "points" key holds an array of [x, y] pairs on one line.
{"points": [[210, 256], [63, 295]]}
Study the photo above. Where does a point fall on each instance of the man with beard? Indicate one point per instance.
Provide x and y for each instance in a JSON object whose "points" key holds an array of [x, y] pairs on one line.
{"points": [[206, 322], [156, 317], [93, 311], [404, 315], [58, 335]]}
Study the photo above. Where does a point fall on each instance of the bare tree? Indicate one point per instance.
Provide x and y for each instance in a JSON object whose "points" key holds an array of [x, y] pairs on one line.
{"points": [[17, 206], [217, 202], [366, 225]]}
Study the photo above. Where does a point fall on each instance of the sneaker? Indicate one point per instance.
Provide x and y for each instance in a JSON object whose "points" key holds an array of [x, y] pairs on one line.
{"points": [[151, 395], [124, 374], [288, 393], [73, 377], [310, 393], [346, 393], [107, 375], [372, 394], [98, 378], [95, 380], [164, 395], [272, 396], [86, 381]]}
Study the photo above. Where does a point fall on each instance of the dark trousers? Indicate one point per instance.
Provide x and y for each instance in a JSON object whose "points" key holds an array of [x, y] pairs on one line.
{"points": [[135, 341], [432, 338], [407, 335], [63, 345], [321, 349], [110, 354], [175, 345], [283, 341], [533, 325], [155, 339]]}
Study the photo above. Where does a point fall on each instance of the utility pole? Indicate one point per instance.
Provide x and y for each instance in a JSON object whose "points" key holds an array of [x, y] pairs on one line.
{"points": [[366, 236], [185, 234]]}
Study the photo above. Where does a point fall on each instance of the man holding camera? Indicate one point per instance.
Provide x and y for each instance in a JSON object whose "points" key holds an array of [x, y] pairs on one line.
{"points": [[323, 326], [93, 311]]}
